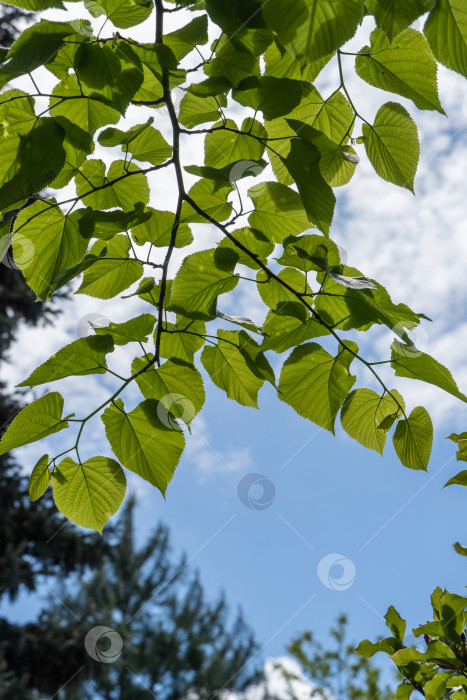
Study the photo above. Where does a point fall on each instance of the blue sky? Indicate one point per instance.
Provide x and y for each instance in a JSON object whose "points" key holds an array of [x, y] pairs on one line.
{"points": [[331, 495]]}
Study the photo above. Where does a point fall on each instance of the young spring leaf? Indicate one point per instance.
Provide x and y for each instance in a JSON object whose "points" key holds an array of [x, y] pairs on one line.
{"points": [[113, 273], [122, 13], [393, 16], [146, 441], [315, 384], [176, 384], [363, 413], [40, 478], [392, 145], [230, 370], [182, 339], [312, 29], [201, 279], [90, 492], [157, 230], [406, 67], [45, 243], [124, 185], [135, 330], [82, 356], [88, 114], [413, 439], [279, 211], [36, 421], [446, 31], [408, 362]]}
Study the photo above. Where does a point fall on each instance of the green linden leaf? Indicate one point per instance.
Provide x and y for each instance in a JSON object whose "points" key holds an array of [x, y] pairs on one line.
{"points": [[89, 493], [392, 145], [122, 13], [35, 5], [279, 211], [283, 332], [230, 63], [111, 75], [176, 384], [113, 273], [146, 286], [413, 439], [36, 421], [77, 144], [303, 164], [274, 97], [157, 230], [460, 479], [361, 308], [337, 163], [196, 110], [187, 38], [147, 440], [254, 241], [393, 16], [312, 29], [145, 143], [278, 297], [211, 197], [409, 362], [211, 87], [406, 67], [35, 46], [135, 330], [363, 413], [39, 158], [446, 31], [369, 649], [88, 113], [435, 688], [82, 356], [232, 173], [280, 64], [223, 148], [460, 549], [395, 623], [315, 383], [126, 192], [40, 478], [201, 279], [45, 243], [105, 224], [310, 252], [64, 59], [182, 339], [230, 370], [17, 118]]}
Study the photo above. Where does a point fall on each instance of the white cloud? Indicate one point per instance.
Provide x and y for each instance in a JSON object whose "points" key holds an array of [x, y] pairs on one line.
{"points": [[284, 680], [211, 460]]}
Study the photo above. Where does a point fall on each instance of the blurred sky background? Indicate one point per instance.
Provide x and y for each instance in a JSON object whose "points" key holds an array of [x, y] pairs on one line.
{"points": [[332, 496]]}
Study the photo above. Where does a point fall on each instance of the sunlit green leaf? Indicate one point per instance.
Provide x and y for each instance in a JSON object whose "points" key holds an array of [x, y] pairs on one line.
{"points": [[36, 421], [90, 492], [40, 478], [82, 356], [315, 383], [112, 274], [143, 443], [413, 439], [363, 413]]}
